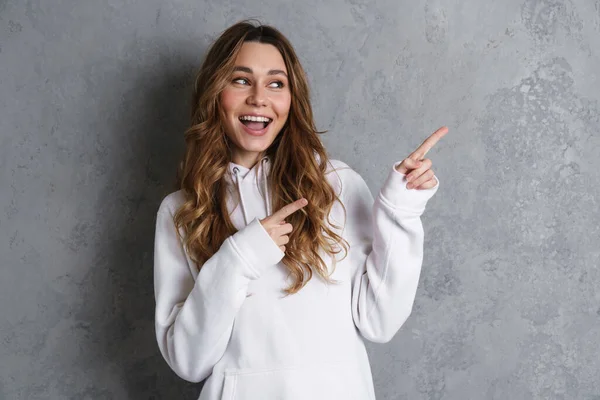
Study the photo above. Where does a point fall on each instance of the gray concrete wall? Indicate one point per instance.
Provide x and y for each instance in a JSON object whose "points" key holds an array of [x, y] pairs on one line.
{"points": [[93, 103]]}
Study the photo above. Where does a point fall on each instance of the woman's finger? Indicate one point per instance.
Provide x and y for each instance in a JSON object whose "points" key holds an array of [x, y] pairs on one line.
{"points": [[408, 164], [285, 229], [427, 175], [425, 165], [429, 143], [428, 185], [287, 210]]}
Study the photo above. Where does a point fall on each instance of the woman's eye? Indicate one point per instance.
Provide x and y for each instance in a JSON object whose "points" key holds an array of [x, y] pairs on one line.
{"points": [[277, 84], [241, 81]]}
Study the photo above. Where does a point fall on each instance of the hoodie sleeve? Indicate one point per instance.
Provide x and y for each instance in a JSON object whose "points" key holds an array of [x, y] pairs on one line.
{"points": [[386, 242], [194, 315]]}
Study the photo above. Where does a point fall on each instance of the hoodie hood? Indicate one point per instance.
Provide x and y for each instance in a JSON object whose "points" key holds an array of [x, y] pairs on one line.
{"points": [[250, 186]]}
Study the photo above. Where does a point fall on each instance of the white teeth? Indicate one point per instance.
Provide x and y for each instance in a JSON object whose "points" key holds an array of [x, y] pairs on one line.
{"points": [[255, 119]]}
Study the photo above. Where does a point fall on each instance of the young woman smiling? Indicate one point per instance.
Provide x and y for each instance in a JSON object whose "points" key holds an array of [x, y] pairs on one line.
{"points": [[273, 262]]}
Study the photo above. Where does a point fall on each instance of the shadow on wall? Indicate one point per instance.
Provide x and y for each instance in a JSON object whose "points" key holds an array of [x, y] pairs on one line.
{"points": [[150, 126]]}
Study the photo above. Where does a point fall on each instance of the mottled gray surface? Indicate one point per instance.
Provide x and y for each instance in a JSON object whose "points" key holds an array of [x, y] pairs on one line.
{"points": [[93, 103]]}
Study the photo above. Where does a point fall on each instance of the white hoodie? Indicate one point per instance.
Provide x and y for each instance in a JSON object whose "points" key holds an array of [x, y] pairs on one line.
{"points": [[232, 323]]}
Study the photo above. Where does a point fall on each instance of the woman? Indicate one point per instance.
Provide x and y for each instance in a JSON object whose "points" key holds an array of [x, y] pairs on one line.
{"points": [[273, 262]]}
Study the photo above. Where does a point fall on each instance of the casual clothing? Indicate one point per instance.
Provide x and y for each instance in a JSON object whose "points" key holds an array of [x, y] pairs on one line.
{"points": [[232, 323]]}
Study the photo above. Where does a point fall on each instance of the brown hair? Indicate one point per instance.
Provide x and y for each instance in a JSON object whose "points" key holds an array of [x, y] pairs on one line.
{"points": [[299, 163]]}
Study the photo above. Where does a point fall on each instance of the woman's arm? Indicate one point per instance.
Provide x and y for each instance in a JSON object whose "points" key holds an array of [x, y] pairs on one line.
{"points": [[194, 316], [386, 240]]}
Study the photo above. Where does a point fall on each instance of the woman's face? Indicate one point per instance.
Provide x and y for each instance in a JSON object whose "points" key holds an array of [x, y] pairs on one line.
{"points": [[256, 101]]}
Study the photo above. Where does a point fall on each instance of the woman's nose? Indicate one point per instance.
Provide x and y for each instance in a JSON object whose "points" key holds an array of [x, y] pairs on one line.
{"points": [[257, 97]]}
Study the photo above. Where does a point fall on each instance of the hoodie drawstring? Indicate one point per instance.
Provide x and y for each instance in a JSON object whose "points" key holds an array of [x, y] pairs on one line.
{"points": [[267, 198], [266, 187], [236, 170]]}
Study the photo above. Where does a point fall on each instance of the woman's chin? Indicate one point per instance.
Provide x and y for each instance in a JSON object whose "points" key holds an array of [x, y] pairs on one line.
{"points": [[255, 146]]}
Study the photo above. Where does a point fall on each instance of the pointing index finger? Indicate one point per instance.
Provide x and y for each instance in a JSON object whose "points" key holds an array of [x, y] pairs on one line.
{"points": [[428, 144], [288, 210]]}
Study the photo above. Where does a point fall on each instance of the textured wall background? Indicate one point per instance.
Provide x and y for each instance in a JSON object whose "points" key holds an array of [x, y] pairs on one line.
{"points": [[93, 103]]}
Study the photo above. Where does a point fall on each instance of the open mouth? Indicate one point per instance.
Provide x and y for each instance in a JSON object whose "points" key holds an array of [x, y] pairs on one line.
{"points": [[255, 123]]}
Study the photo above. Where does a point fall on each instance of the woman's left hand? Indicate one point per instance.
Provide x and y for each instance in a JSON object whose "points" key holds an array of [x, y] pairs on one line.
{"points": [[417, 169]]}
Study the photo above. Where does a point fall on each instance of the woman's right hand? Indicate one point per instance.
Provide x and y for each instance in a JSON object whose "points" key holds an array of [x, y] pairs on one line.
{"points": [[276, 226]]}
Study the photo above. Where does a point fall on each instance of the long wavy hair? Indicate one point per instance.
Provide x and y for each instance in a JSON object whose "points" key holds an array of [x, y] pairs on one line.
{"points": [[299, 164]]}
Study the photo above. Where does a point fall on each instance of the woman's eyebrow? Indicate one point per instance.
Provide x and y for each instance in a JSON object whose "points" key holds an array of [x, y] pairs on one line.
{"points": [[249, 70]]}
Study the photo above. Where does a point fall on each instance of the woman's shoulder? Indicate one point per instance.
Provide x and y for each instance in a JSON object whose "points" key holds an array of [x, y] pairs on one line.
{"points": [[341, 176], [338, 167], [172, 202]]}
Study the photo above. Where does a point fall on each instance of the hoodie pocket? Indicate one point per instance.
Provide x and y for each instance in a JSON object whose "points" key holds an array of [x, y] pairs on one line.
{"points": [[326, 381]]}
